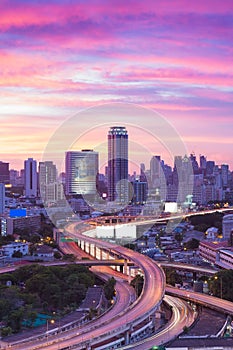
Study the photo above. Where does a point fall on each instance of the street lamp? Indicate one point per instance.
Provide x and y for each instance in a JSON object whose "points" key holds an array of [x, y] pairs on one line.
{"points": [[47, 324], [216, 278]]}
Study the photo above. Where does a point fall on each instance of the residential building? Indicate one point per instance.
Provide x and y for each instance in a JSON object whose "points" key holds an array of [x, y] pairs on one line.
{"points": [[10, 249]]}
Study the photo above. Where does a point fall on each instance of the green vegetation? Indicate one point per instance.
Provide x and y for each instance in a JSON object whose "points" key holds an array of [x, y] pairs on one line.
{"points": [[172, 277], [221, 284], [203, 222], [35, 288], [109, 288], [6, 239], [137, 283], [192, 244]]}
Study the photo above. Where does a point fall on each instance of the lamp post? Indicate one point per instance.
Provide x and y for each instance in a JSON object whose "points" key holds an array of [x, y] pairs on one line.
{"points": [[47, 327], [216, 278]]}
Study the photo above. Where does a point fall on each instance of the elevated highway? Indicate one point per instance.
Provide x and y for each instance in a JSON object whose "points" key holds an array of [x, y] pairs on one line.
{"points": [[190, 268], [211, 302]]}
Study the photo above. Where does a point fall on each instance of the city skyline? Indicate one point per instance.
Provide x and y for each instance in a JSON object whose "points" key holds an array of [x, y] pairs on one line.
{"points": [[61, 57]]}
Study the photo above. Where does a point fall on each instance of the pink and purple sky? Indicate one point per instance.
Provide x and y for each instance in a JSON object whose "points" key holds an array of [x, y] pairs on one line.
{"points": [[60, 56]]}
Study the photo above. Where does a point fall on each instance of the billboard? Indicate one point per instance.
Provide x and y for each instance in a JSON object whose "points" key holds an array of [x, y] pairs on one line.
{"points": [[18, 213]]}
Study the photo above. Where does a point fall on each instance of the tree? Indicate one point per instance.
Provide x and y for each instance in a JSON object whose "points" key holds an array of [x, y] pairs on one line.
{"points": [[192, 244], [109, 288], [221, 284], [17, 254], [172, 277], [137, 283], [5, 331], [57, 255], [69, 257]]}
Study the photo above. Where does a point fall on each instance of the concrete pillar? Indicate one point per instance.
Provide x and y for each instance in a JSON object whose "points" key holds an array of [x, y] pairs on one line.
{"points": [[125, 267], [95, 251], [127, 337], [101, 254]]}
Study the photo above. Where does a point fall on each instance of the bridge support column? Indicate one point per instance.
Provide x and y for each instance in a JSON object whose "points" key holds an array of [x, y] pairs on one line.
{"points": [[194, 276], [95, 251], [152, 318], [125, 267], [127, 337]]}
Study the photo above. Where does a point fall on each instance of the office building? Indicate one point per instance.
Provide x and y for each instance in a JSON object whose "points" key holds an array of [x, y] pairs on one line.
{"points": [[30, 176], [81, 172], [118, 165]]}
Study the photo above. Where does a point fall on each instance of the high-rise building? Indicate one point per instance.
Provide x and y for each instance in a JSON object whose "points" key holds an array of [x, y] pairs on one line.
{"points": [[14, 175], [155, 170], [224, 174], [210, 167], [140, 190], [51, 190], [47, 172], [194, 163], [30, 175], [118, 165], [2, 198], [4, 173], [81, 172], [202, 164]]}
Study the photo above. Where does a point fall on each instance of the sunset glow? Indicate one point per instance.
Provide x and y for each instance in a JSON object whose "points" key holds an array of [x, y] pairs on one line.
{"points": [[58, 57]]}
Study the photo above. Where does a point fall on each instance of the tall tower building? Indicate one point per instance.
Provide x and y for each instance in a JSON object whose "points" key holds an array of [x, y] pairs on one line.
{"points": [[81, 172], [2, 198], [118, 164], [30, 176]]}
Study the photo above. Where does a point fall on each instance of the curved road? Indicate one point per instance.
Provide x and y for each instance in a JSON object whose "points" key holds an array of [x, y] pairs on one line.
{"points": [[182, 316]]}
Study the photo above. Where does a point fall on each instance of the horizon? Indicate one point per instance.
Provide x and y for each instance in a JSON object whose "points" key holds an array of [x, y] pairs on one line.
{"points": [[63, 57]]}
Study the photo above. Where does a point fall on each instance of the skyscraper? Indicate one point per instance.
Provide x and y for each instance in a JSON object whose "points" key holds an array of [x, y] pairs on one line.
{"points": [[81, 172], [118, 164], [30, 175]]}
